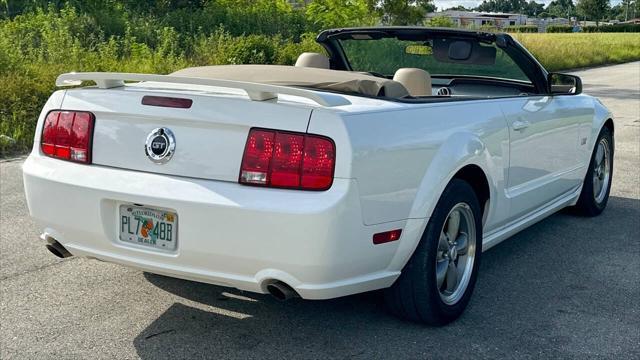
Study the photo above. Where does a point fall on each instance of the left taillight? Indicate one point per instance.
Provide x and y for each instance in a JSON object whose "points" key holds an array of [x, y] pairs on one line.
{"points": [[67, 135]]}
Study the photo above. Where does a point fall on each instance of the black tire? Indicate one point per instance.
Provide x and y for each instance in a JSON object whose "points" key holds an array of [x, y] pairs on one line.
{"points": [[415, 295], [588, 204]]}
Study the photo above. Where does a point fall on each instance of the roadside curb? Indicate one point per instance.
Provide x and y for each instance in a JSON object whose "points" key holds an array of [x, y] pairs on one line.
{"points": [[598, 66]]}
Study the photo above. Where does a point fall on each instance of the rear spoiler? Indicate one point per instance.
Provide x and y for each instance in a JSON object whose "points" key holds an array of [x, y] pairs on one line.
{"points": [[255, 91]]}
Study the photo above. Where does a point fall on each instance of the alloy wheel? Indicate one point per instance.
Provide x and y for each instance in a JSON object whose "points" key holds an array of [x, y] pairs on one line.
{"points": [[456, 253]]}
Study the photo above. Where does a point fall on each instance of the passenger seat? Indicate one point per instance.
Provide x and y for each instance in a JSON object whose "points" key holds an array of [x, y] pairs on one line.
{"points": [[313, 60], [416, 81]]}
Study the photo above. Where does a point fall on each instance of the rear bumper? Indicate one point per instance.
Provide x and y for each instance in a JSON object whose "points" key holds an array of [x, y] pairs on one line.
{"points": [[228, 234]]}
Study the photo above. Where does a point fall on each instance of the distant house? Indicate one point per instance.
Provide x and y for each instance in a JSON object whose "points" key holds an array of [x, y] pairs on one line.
{"points": [[543, 23], [476, 19]]}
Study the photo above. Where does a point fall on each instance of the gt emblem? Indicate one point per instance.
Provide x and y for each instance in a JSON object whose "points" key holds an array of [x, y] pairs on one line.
{"points": [[160, 145]]}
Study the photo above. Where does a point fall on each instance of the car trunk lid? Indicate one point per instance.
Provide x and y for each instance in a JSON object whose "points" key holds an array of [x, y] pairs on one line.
{"points": [[209, 135]]}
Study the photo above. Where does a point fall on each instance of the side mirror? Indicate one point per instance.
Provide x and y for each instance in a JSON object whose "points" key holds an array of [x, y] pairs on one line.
{"points": [[564, 84]]}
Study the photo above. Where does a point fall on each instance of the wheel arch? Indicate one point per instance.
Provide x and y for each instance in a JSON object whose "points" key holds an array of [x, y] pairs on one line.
{"points": [[464, 157], [476, 177], [609, 125]]}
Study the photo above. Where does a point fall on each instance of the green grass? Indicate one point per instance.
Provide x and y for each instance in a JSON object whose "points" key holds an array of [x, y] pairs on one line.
{"points": [[559, 52]]}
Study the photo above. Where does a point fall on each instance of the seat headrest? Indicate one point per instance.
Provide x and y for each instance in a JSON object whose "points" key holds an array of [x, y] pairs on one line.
{"points": [[417, 81], [313, 60]]}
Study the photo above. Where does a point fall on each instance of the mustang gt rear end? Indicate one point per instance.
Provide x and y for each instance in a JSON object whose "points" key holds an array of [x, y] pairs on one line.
{"points": [[390, 162]]}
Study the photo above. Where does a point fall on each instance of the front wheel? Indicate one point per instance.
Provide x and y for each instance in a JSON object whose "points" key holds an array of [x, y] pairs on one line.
{"points": [[436, 284], [597, 183]]}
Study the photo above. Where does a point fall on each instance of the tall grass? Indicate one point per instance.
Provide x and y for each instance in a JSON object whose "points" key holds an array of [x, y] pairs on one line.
{"points": [[570, 51]]}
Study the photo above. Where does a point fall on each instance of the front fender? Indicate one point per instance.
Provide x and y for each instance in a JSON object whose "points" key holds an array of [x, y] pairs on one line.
{"points": [[600, 117]]}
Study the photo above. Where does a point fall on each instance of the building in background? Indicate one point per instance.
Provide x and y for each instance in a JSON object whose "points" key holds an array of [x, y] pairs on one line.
{"points": [[474, 19]]}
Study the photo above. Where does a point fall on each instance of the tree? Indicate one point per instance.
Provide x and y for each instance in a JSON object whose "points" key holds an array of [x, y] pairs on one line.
{"points": [[339, 13], [625, 10], [530, 8], [561, 8], [594, 10], [441, 21], [403, 12], [458, 8]]}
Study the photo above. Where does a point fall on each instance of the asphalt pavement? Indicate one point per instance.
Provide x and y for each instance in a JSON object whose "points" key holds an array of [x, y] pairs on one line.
{"points": [[567, 287]]}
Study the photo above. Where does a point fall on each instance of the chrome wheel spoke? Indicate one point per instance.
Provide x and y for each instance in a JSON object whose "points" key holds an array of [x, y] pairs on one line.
{"points": [[452, 277], [441, 272], [462, 244], [599, 155], [443, 245], [596, 185], [453, 225]]}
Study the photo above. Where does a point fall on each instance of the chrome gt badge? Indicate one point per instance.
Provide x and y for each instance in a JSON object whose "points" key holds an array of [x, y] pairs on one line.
{"points": [[160, 145]]}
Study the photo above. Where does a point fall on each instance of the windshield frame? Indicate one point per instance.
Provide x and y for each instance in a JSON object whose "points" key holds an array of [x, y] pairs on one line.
{"points": [[329, 39]]}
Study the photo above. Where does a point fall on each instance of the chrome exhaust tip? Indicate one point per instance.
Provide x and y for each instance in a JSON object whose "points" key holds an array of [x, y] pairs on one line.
{"points": [[55, 247], [281, 291]]}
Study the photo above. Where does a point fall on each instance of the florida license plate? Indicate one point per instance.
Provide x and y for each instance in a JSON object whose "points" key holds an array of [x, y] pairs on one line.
{"points": [[148, 226]]}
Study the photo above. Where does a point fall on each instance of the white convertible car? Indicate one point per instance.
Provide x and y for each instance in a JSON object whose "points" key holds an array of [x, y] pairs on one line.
{"points": [[390, 163]]}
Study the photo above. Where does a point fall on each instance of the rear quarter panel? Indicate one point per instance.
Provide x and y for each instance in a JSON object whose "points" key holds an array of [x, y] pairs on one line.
{"points": [[403, 158]]}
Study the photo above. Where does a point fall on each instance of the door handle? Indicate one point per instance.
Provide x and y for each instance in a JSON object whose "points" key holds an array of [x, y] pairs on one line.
{"points": [[519, 125]]}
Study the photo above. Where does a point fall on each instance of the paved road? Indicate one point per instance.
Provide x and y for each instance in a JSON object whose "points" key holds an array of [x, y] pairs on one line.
{"points": [[567, 287]]}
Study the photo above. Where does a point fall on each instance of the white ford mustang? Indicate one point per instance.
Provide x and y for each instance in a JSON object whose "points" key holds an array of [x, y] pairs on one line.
{"points": [[393, 162]]}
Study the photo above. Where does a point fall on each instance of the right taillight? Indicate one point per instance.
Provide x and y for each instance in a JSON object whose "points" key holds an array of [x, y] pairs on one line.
{"points": [[67, 135], [285, 159]]}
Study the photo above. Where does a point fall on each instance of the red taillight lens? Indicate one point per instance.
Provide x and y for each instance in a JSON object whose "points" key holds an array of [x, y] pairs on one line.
{"points": [[319, 161], [288, 160], [67, 135]]}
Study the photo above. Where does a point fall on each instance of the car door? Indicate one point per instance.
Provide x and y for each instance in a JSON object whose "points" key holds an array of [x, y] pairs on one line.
{"points": [[545, 148]]}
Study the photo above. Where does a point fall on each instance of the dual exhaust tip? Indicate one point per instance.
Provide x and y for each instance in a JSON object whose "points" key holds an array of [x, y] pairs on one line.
{"points": [[277, 289], [55, 247]]}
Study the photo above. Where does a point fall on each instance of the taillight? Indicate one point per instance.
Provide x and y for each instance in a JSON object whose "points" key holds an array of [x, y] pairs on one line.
{"points": [[67, 135], [288, 160]]}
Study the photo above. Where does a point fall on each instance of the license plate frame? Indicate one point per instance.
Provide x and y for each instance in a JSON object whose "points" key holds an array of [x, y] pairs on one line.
{"points": [[149, 227]]}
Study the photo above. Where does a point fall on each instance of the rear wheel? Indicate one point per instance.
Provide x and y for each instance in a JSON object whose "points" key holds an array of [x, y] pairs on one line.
{"points": [[436, 284], [597, 183]]}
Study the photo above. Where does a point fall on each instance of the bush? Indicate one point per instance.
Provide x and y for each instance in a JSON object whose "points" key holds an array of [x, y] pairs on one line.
{"points": [[441, 21], [617, 28], [559, 29], [521, 29]]}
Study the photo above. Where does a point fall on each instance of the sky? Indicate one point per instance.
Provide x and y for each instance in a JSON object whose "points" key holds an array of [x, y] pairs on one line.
{"points": [[445, 4]]}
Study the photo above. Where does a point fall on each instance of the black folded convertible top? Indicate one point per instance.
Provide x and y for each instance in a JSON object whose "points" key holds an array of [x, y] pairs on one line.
{"points": [[405, 33]]}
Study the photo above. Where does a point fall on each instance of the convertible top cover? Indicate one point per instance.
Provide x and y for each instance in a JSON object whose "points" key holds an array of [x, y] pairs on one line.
{"points": [[322, 79]]}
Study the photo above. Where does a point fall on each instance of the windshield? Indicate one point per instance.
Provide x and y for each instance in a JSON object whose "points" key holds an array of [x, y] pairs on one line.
{"points": [[440, 57]]}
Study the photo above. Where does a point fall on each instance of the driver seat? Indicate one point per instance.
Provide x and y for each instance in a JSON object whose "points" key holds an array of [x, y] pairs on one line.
{"points": [[416, 81]]}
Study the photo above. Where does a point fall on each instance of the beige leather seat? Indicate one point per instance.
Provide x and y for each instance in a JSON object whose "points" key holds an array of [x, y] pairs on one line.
{"points": [[417, 81], [313, 60]]}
